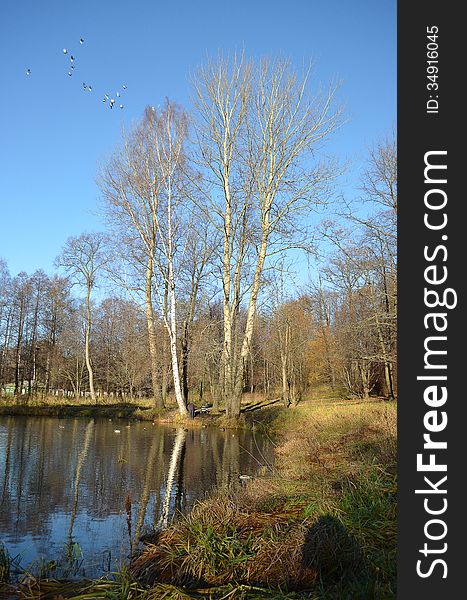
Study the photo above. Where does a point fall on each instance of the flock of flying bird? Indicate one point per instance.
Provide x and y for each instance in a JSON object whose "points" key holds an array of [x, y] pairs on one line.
{"points": [[87, 87]]}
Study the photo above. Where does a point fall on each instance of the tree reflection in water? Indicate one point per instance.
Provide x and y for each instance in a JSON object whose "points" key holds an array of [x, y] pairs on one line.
{"points": [[179, 445], [65, 482]]}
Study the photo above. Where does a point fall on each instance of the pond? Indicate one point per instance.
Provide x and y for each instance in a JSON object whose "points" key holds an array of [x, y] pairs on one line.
{"points": [[75, 493]]}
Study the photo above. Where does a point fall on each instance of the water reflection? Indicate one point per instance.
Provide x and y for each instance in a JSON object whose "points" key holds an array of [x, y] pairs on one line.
{"points": [[63, 483], [177, 453]]}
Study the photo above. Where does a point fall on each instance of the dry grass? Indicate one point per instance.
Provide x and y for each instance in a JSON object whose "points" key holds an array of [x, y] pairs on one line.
{"points": [[324, 523], [221, 542], [52, 400]]}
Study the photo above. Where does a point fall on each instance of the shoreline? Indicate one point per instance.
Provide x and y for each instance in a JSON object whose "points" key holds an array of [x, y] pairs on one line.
{"points": [[135, 411], [322, 526]]}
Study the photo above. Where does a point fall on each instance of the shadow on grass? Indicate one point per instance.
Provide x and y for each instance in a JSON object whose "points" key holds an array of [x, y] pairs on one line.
{"points": [[262, 415], [258, 405], [330, 549], [336, 556], [354, 554]]}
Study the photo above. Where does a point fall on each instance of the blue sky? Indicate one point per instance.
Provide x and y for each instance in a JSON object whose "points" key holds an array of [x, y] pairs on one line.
{"points": [[54, 134]]}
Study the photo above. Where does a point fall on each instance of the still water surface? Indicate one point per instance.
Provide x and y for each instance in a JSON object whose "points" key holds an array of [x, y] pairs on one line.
{"points": [[64, 484]]}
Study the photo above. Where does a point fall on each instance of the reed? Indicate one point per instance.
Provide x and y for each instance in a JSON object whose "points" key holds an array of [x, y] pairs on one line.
{"points": [[7, 564]]}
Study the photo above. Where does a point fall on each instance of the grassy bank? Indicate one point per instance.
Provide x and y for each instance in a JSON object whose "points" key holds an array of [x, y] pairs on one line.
{"points": [[322, 527], [86, 410], [136, 409]]}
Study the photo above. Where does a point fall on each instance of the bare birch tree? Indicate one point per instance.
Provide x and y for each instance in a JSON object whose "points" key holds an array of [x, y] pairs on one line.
{"points": [[82, 258], [145, 199], [130, 184], [170, 131], [258, 128]]}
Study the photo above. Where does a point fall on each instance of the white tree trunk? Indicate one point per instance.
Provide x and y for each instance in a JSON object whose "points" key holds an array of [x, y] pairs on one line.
{"points": [[172, 324], [173, 348], [87, 336], [152, 331]]}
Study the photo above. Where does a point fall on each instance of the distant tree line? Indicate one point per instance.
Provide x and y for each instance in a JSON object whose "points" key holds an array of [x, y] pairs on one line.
{"points": [[204, 208]]}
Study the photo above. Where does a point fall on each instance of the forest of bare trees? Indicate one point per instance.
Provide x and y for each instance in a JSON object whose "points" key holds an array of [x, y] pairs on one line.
{"points": [[187, 295]]}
